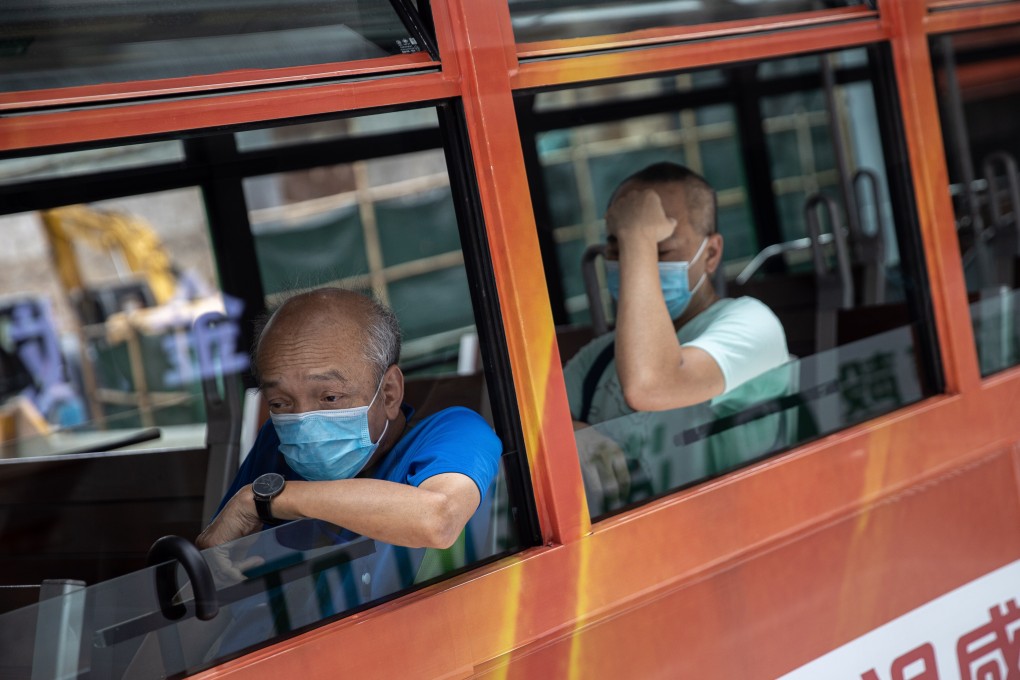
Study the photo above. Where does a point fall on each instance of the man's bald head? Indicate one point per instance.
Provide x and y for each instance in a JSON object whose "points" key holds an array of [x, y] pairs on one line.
{"points": [[331, 313]]}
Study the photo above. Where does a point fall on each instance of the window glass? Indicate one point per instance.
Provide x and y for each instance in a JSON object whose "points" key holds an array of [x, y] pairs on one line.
{"points": [[811, 334], [634, 90], [944, 5], [13, 170], [124, 416], [99, 308], [535, 20], [62, 43], [155, 623], [392, 121], [386, 225], [976, 76]]}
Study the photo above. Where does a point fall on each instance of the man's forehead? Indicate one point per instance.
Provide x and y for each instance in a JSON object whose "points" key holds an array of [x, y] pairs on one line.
{"points": [[313, 348]]}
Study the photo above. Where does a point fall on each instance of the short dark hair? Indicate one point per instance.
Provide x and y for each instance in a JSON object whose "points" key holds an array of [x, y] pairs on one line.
{"points": [[699, 196]]}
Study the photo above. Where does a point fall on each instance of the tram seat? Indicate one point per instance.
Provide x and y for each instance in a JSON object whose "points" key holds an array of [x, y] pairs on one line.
{"points": [[793, 299], [570, 339], [430, 394], [862, 322]]}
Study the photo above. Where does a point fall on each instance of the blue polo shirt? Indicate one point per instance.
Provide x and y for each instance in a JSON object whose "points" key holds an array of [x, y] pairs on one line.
{"points": [[455, 439]]}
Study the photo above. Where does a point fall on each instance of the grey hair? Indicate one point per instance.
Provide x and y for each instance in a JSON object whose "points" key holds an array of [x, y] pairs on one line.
{"points": [[382, 346], [382, 332]]}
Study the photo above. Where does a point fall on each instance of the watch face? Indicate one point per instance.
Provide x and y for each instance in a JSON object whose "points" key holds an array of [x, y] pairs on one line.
{"points": [[268, 485]]}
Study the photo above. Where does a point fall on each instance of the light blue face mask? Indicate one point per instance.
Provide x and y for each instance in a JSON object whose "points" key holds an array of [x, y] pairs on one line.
{"points": [[327, 445], [676, 285]]}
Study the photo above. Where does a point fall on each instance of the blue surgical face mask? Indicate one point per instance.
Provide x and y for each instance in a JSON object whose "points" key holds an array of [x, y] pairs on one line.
{"points": [[673, 277], [327, 445]]}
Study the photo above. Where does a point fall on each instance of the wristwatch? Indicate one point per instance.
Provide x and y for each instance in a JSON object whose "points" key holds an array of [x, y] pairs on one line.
{"points": [[266, 488]]}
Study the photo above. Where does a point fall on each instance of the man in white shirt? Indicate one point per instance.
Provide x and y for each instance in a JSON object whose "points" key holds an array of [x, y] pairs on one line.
{"points": [[676, 342]]}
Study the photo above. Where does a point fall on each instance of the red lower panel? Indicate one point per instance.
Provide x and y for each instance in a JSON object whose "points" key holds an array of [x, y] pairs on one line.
{"points": [[774, 611]]}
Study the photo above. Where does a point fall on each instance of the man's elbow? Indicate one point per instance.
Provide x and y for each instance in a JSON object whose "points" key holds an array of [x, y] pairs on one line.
{"points": [[441, 527], [640, 395]]}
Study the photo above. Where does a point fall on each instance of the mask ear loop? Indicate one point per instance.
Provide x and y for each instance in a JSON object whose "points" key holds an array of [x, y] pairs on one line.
{"points": [[379, 388], [701, 249], [374, 397], [704, 274]]}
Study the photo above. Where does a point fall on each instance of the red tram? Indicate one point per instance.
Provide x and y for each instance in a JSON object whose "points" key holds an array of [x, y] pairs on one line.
{"points": [[856, 518]]}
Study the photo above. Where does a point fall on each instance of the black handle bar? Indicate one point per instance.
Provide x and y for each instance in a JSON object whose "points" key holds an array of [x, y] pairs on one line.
{"points": [[165, 552]]}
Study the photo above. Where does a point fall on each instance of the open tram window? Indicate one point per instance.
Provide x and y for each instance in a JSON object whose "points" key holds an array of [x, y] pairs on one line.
{"points": [[815, 217], [976, 76], [537, 20], [383, 217], [65, 44]]}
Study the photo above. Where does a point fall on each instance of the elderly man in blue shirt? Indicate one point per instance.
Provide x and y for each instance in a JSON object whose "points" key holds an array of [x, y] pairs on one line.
{"points": [[338, 446]]}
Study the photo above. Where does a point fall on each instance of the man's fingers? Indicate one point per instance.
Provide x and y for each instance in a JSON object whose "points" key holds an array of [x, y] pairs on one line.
{"points": [[592, 483], [250, 563], [622, 475], [607, 477]]}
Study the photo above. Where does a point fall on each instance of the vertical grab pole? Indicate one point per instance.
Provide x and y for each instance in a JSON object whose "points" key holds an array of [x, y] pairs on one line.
{"points": [[835, 289], [846, 183], [591, 287], [871, 246], [956, 132]]}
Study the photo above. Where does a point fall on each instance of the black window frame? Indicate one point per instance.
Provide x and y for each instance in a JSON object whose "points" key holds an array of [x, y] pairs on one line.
{"points": [[213, 163], [746, 100]]}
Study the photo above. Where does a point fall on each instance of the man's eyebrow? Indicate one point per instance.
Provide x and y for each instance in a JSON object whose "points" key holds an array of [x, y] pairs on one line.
{"points": [[317, 377], [327, 376]]}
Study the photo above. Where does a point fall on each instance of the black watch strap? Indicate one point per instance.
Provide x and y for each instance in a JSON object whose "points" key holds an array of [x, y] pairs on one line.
{"points": [[262, 506], [266, 488]]}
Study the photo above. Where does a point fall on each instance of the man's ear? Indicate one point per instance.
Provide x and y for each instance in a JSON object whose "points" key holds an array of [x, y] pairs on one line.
{"points": [[713, 252], [393, 391]]}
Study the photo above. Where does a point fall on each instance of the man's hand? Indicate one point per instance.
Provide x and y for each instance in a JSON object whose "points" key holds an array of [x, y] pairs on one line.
{"points": [[638, 214], [604, 470], [238, 518]]}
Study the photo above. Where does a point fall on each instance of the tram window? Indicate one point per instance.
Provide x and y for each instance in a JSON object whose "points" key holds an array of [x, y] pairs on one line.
{"points": [[378, 219], [412, 120], [99, 304], [65, 44], [15, 170], [386, 225], [976, 76], [775, 141], [535, 20]]}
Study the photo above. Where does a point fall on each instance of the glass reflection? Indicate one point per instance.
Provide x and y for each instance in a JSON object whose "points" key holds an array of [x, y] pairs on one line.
{"points": [[535, 20], [102, 313], [277, 582], [976, 76], [632, 458], [59, 43], [49, 166], [807, 209]]}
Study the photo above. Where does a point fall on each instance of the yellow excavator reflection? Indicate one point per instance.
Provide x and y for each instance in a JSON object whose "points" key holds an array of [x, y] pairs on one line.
{"points": [[150, 304], [122, 235]]}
